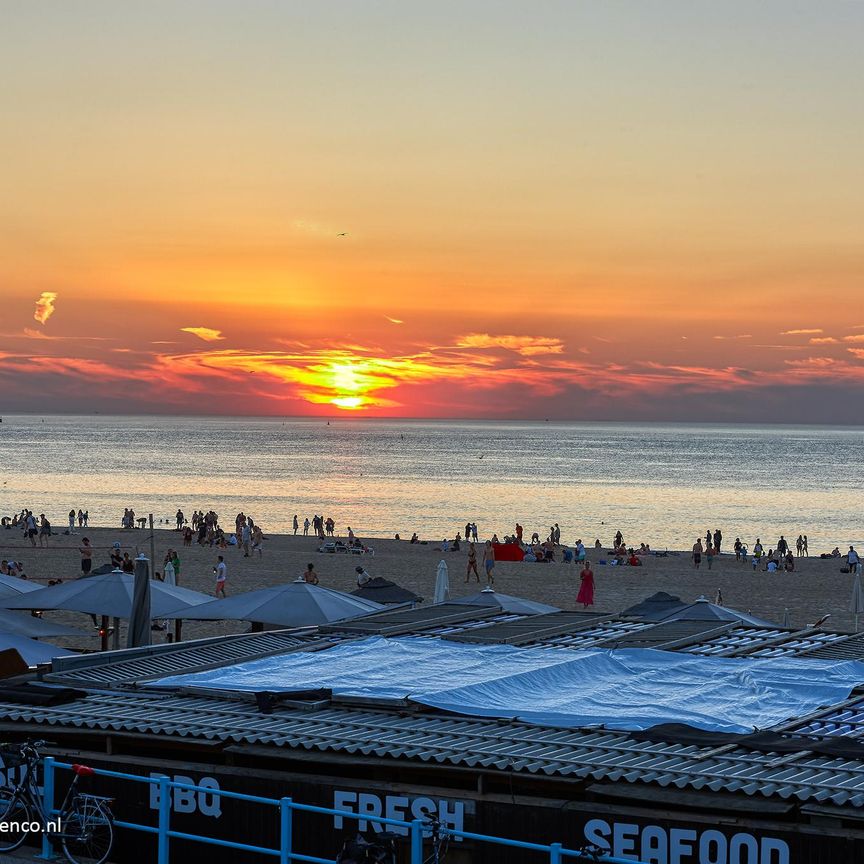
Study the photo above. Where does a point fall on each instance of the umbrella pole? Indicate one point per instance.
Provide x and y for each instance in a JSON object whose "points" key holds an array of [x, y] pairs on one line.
{"points": [[115, 640], [103, 630], [178, 626]]}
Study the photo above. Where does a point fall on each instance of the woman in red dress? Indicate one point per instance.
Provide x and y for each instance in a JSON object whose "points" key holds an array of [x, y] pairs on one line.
{"points": [[586, 588]]}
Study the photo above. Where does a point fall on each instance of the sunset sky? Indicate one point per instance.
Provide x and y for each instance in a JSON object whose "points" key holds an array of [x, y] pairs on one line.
{"points": [[575, 210]]}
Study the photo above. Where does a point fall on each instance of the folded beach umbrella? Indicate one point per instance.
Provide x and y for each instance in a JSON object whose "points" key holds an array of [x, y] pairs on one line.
{"points": [[108, 594], [380, 590], [12, 586], [856, 605], [31, 651], [656, 606], [17, 624], [702, 610], [508, 603], [442, 584], [297, 604]]}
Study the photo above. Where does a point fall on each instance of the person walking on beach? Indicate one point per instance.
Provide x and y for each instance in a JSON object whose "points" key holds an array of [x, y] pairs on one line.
{"points": [[86, 551], [30, 530], [220, 571], [245, 537], [472, 563], [306, 527], [180, 519], [44, 530], [474, 531], [586, 586], [80, 518], [489, 562], [257, 541], [72, 521], [852, 560], [806, 553], [718, 539], [296, 524], [697, 553], [799, 546]]}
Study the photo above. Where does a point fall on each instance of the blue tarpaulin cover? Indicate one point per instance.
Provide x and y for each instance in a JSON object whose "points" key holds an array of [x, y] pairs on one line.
{"points": [[627, 689]]}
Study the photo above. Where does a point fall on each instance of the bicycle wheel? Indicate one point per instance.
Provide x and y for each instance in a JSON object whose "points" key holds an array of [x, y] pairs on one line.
{"points": [[13, 813], [87, 829]]}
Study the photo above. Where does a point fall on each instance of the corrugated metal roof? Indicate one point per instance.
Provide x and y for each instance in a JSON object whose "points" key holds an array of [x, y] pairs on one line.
{"points": [[750, 641], [532, 627], [476, 743], [416, 620], [117, 667]]}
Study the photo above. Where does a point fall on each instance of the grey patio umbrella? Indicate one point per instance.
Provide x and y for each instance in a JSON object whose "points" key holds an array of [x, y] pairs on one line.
{"points": [[109, 594], [14, 623], [31, 651], [656, 606], [508, 603], [12, 586], [297, 604], [703, 610], [380, 590]]}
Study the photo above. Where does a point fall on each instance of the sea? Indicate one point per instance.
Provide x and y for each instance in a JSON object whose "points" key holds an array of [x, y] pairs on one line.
{"points": [[661, 484]]}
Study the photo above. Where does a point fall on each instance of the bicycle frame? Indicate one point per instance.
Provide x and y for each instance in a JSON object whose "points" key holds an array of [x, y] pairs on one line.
{"points": [[27, 789]]}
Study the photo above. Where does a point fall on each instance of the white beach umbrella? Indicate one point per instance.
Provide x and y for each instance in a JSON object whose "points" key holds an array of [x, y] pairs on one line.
{"points": [[787, 619], [297, 604], [31, 651], [856, 605], [18, 624], [442, 584], [109, 594], [13, 586]]}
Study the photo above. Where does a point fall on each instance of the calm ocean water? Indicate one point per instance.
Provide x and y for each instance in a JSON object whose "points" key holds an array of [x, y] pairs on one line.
{"points": [[663, 484]]}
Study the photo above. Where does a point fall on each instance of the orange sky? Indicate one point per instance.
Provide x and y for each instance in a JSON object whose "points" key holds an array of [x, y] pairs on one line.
{"points": [[576, 210]]}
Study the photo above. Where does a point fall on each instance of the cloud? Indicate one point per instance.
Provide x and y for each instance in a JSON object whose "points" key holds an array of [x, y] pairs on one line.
{"points": [[740, 336], [205, 333], [30, 333], [823, 340], [394, 320], [802, 332], [813, 362], [527, 346], [858, 352], [858, 337], [45, 306]]}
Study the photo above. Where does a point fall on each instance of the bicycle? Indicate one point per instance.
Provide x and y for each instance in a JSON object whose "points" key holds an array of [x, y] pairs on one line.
{"points": [[439, 836], [84, 824]]}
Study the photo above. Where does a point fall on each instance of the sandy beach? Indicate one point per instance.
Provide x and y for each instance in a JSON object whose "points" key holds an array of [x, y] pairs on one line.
{"points": [[816, 587]]}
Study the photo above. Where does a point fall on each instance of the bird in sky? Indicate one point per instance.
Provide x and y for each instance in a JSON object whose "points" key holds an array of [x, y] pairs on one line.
{"points": [[343, 234]]}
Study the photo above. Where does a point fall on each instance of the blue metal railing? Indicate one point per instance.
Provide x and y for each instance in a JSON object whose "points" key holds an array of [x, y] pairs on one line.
{"points": [[286, 807]]}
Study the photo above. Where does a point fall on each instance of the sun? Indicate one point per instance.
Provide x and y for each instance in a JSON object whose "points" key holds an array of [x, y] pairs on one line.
{"points": [[348, 402]]}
